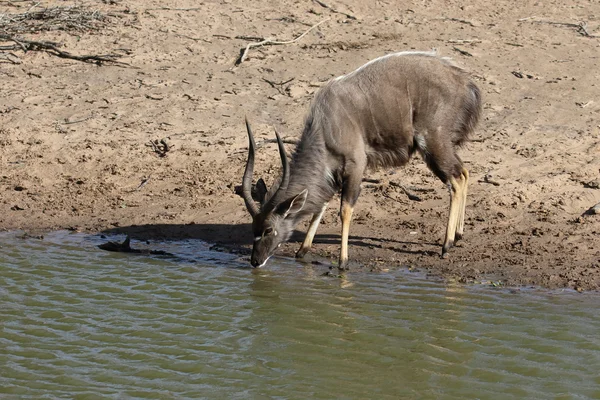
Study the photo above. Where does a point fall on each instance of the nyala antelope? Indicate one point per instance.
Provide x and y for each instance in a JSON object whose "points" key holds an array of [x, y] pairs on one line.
{"points": [[374, 117]]}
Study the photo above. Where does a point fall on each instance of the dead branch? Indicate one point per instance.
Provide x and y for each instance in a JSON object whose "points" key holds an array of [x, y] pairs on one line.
{"points": [[52, 48], [66, 18], [272, 42], [327, 6], [580, 27]]}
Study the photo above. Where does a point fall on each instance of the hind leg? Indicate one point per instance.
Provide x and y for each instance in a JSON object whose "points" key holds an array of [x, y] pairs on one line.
{"points": [[458, 193], [440, 155], [463, 204]]}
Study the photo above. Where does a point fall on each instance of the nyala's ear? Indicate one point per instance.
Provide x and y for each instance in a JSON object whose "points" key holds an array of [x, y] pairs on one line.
{"points": [[292, 205], [259, 191]]}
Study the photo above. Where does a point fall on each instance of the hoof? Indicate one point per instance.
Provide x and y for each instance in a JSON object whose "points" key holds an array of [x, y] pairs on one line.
{"points": [[301, 253], [457, 236], [447, 246], [343, 266]]}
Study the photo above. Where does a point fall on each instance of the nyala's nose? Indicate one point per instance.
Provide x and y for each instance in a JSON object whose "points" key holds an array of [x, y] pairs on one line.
{"points": [[254, 262]]}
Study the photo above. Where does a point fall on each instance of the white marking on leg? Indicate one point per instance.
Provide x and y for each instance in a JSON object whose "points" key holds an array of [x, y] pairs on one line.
{"points": [[421, 144], [314, 225]]}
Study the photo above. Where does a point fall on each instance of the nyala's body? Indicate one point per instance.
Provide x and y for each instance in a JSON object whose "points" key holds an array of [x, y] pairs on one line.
{"points": [[376, 116]]}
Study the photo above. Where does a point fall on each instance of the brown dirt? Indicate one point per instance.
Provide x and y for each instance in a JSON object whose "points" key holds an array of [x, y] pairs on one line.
{"points": [[74, 137]]}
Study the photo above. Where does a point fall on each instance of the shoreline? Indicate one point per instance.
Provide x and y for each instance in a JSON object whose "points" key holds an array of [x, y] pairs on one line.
{"points": [[155, 148]]}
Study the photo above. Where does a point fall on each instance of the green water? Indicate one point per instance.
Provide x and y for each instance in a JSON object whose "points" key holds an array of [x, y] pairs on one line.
{"points": [[81, 323]]}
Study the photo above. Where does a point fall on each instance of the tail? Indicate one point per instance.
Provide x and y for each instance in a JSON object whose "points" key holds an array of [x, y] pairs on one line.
{"points": [[470, 113]]}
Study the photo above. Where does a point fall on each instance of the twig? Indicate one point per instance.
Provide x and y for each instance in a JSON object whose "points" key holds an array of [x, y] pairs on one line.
{"points": [[67, 122], [273, 42], [278, 86], [463, 52], [284, 140], [244, 37], [584, 105], [51, 48], [464, 41], [33, 6], [172, 9], [406, 190], [580, 27], [462, 21], [526, 18], [411, 196], [393, 198], [583, 30], [325, 5], [487, 179], [143, 183], [193, 38], [288, 19], [160, 147]]}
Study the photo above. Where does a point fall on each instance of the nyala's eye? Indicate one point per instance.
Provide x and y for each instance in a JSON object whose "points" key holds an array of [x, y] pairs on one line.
{"points": [[268, 231]]}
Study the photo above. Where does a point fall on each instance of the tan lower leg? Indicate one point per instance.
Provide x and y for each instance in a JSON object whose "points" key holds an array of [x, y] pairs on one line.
{"points": [[463, 204], [346, 215], [310, 234], [455, 198]]}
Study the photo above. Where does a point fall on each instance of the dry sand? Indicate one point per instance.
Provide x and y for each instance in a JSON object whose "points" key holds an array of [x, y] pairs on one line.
{"points": [[75, 137]]}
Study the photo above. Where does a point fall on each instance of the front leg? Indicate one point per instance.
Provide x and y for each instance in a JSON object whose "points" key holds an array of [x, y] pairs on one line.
{"points": [[310, 234], [353, 172], [346, 215]]}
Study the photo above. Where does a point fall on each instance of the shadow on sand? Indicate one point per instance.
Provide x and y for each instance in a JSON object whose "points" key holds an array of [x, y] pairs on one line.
{"points": [[238, 238]]}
